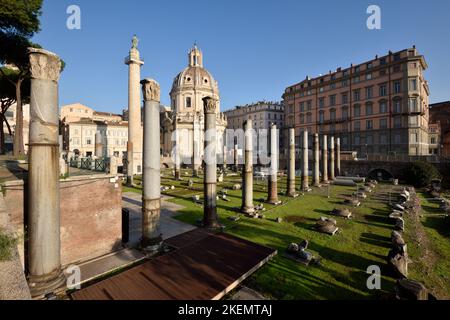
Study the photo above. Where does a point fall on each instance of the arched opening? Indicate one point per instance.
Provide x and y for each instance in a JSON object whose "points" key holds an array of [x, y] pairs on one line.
{"points": [[380, 175]]}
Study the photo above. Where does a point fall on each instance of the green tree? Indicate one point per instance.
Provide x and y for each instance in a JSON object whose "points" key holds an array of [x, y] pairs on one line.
{"points": [[19, 21], [8, 98], [421, 173]]}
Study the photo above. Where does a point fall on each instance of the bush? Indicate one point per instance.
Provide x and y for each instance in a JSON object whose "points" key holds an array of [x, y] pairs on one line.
{"points": [[6, 244], [420, 174]]}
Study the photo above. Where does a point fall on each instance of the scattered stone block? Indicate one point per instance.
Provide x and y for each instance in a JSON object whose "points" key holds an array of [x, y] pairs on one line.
{"points": [[400, 224], [327, 225], [399, 263], [190, 183], [398, 207], [234, 219], [360, 195], [352, 202], [396, 214], [237, 187], [406, 289], [345, 213], [279, 220]]}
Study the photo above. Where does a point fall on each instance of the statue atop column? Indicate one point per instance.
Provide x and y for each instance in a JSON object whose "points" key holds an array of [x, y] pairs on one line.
{"points": [[134, 42]]}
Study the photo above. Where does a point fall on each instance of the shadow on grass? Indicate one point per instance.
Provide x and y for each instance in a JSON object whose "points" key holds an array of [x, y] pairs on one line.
{"points": [[440, 224], [375, 240]]}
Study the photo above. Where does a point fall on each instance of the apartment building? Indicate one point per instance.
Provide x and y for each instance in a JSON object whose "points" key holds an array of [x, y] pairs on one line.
{"points": [[263, 113], [440, 116], [376, 107]]}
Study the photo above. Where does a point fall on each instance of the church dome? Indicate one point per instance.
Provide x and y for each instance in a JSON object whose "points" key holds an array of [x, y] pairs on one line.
{"points": [[195, 77]]}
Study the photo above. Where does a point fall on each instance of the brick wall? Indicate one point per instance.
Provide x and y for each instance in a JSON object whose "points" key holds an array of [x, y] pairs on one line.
{"points": [[91, 208]]}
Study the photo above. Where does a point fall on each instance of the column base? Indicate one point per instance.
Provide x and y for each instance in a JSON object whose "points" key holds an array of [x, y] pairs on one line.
{"points": [[292, 194], [177, 175], [151, 245], [248, 210], [130, 181], [41, 285]]}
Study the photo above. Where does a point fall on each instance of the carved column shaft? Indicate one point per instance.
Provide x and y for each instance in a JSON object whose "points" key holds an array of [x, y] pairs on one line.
{"points": [[291, 192], [98, 145], [210, 218], [247, 175], [151, 192], [305, 165], [332, 176], [338, 156], [44, 244], [273, 174], [325, 160], [316, 171]]}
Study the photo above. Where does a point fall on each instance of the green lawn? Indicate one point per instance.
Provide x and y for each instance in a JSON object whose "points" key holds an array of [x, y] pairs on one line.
{"points": [[361, 242], [6, 244]]}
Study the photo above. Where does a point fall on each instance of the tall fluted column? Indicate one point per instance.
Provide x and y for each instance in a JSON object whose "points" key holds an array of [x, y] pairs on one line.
{"points": [[338, 156], [236, 158], [291, 192], [177, 156], [210, 218], [43, 229], [325, 160], [247, 176], [273, 174], [151, 190], [196, 160], [305, 165], [316, 171], [332, 176], [98, 145], [134, 145]]}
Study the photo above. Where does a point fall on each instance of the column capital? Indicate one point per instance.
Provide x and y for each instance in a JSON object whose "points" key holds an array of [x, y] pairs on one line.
{"points": [[44, 64], [151, 90], [209, 105]]}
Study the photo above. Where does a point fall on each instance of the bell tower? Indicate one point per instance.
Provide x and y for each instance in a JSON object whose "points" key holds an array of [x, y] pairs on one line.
{"points": [[195, 57]]}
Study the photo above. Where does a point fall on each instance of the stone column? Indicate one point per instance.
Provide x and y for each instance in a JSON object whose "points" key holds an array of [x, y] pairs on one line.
{"points": [[291, 192], [210, 218], [325, 160], [225, 152], [196, 160], [338, 156], [332, 176], [177, 165], [247, 176], [236, 157], [305, 164], [151, 189], [316, 170], [273, 174], [43, 229], [98, 145], [134, 145]]}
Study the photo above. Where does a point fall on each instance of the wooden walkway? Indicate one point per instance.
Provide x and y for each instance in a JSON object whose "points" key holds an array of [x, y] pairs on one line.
{"points": [[203, 266]]}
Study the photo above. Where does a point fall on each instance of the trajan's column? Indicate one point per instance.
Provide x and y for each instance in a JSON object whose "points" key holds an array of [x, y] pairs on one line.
{"points": [[135, 133]]}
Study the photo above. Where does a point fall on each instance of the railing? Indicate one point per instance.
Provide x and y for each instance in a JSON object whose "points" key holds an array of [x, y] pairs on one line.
{"points": [[403, 158]]}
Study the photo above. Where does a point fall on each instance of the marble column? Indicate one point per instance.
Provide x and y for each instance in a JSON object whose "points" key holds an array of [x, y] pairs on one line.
{"points": [[332, 176], [98, 145], [305, 165], [225, 152], [247, 176], [134, 145], [338, 156], [210, 218], [43, 226], [291, 192], [196, 160], [177, 156], [325, 159], [316, 171], [236, 157], [272, 196], [151, 189]]}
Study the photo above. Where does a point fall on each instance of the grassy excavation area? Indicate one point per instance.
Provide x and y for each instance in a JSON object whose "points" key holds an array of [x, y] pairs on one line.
{"points": [[361, 242]]}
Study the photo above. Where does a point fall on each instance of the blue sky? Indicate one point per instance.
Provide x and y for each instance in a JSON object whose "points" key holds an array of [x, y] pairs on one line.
{"points": [[254, 48]]}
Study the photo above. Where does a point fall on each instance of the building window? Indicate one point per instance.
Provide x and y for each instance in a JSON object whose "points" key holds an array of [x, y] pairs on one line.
{"points": [[413, 84], [369, 109], [344, 98], [357, 126], [345, 113], [382, 61], [369, 76], [88, 142], [397, 57], [383, 123], [309, 118], [413, 106], [309, 105], [397, 106], [357, 69], [383, 90], [302, 118], [356, 95], [413, 121], [397, 87], [397, 122], [344, 83], [369, 124], [188, 102], [321, 102], [413, 138], [357, 111], [382, 72], [333, 86], [383, 107], [383, 139], [369, 65], [321, 117], [433, 140], [356, 79], [369, 92], [333, 100], [333, 114]]}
